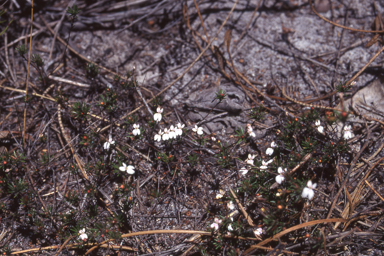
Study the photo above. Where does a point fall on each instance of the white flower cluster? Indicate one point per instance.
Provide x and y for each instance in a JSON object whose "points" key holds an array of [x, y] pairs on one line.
{"points": [[250, 158], [320, 128], [264, 165], [280, 178], [127, 168], [108, 143], [271, 150], [308, 190], [157, 117], [170, 133], [258, 231], [216, 223], [250, 131], [136, 129], [198, 130], [82, 235], [348, 134]]}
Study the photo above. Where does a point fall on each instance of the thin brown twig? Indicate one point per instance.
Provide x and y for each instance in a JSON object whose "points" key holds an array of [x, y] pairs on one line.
{"points": [[247, 217], [377, 193], [29, 65], [341, 26]]}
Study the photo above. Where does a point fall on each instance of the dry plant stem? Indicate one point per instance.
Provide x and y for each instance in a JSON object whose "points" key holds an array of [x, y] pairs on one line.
{"points": [[59, 79], [289, 230], [7, 58], [247, 26], [22, 91], [366, 65], [71, 247], [348, 174], [201, 20], [197, 237], [377, 193], [29, 65], [306, 104], [58, 25], [1, 122], [64, 244], [142, 98], [247, 217], [341, 26], [20, 38]]}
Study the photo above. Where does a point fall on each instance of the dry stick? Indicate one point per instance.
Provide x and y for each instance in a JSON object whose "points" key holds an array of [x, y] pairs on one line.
{"points": [[141, 96], [201, 19], [197, 237], [29, 64], [348, 174], [58, 25], [64, 244], [22, 91], [247, 26], [247, 217], [7, 58], [1, 122], [377, 193], [341, 26], [73, 247], [20, 38], [311, 81], [63, 80], [366, 65], [303, 225]]}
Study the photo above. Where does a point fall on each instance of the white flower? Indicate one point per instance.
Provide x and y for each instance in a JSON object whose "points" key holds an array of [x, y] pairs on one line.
{"points": [[136, 129], [317, 123], [264, 165], [165, 134], [179, 129], [249, 128], [129, 169], [172, 133], [258, 231], [348, 132], [280, 178], [243, 171], [216, 223], [198, 130], [213, 138], [269, 151], [250, 158], [273, 144], [157, 116], [230, 205], [158, 136], [230, 227], [308, 190], [320, 129], [82, 235], [250, 131], [220, 194], [108, 143]]}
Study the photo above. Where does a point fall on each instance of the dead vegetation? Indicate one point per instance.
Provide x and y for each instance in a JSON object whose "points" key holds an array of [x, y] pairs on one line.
{"points": [[101, 159]]}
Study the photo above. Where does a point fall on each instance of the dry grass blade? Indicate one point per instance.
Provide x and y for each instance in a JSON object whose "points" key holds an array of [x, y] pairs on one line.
{"points": [[289, 230], [341, 26]]}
